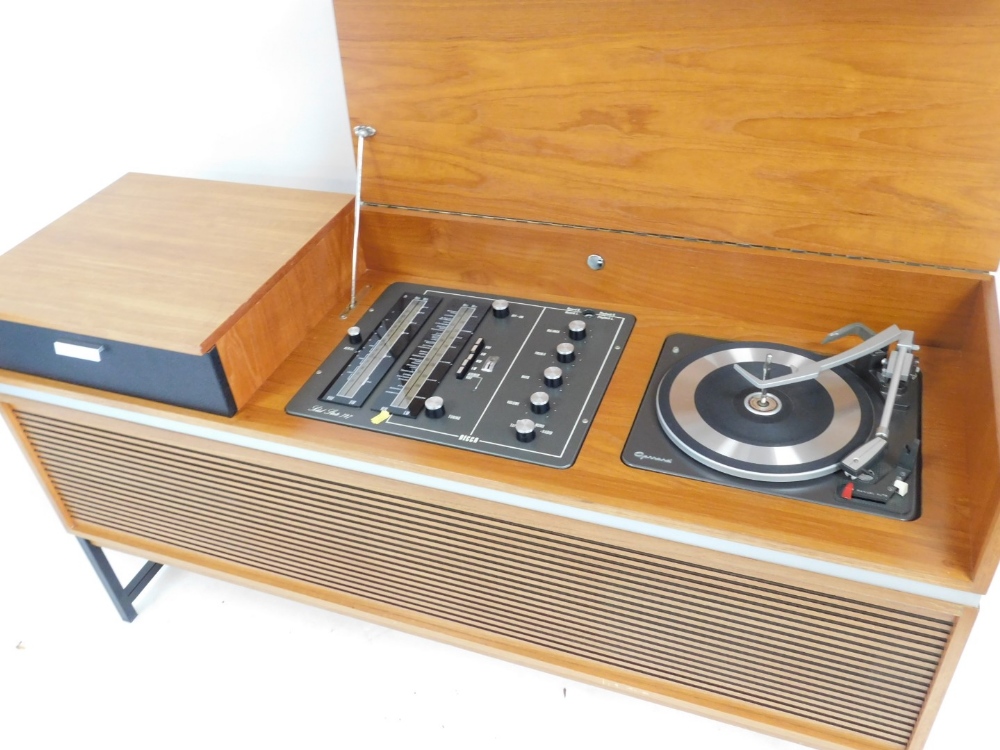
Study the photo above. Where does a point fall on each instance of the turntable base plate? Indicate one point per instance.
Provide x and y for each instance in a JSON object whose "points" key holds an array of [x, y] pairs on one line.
{"points": [[701, 420]]}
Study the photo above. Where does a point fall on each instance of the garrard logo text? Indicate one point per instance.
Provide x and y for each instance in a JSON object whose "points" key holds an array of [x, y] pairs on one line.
{"points": [[645, 457]]}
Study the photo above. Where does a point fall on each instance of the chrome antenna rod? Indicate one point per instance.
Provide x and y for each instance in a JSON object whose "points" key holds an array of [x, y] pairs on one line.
{"points": [[362, 132]]}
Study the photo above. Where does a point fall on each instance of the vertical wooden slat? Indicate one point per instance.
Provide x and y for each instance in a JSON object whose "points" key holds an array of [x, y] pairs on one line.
{"points": [[9, 416]]}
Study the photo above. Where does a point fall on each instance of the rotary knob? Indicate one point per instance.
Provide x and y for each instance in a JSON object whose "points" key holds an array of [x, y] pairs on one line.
{"points": [[524, 429], [501, 308], [434, 406], [553, 377], [565, 352], [354, 335], [577, 329], [539, 402]]}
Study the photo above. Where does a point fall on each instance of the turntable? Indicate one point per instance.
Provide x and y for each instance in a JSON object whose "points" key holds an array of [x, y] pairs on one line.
{"points": [[842, 430]]}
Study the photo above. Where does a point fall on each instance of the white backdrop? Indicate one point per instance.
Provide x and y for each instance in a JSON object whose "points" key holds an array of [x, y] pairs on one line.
{"points": [[251, 91], [241, 90]]}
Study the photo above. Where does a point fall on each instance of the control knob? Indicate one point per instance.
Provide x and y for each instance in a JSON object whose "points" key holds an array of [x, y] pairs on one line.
{"points": [[553, 377], [524, 429], [539, 402], [565, 352], [501, 308], [434, 406], [354, 335], [577, 329]]}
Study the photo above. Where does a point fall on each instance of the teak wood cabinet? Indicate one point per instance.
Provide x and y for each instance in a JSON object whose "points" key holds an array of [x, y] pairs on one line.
{"points": [[768, 172]]}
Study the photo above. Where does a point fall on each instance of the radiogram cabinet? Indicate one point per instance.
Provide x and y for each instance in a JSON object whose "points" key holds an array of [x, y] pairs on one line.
{"points": [[829, 627], [770, 172]]}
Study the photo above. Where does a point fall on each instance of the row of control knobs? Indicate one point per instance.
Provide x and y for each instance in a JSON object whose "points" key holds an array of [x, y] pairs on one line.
{"points": [[577, 328], [501, 309], [524, 429]]}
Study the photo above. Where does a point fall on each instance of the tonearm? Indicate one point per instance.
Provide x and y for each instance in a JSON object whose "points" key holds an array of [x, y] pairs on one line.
{"points": [[897, 367]]}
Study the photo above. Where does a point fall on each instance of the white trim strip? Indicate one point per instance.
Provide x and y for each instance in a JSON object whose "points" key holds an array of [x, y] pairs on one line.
{"points": [[703, 541]]}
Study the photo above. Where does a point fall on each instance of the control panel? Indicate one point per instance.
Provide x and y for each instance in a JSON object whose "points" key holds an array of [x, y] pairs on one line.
{"points": [[508, 377]]}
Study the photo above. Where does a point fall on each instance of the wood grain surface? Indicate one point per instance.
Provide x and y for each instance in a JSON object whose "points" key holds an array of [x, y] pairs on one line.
{"points": [[7, 414], [946, 670], [857, 128], [674, 287], [759, 288], [164, 262], [982, 364], [268, 331]]}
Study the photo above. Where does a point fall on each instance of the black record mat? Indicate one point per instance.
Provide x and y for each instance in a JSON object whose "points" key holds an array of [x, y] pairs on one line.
{"points": [[699, 419]]}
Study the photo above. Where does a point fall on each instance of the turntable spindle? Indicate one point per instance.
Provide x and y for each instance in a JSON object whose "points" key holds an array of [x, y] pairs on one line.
{"points": [[762, 399]]}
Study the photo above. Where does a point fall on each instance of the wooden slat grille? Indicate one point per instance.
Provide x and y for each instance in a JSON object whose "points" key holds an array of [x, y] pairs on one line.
{"points": [[844, 663]]}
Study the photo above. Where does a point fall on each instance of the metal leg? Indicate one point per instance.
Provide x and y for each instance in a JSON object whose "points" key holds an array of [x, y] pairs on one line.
{"points": [[121, 597]]}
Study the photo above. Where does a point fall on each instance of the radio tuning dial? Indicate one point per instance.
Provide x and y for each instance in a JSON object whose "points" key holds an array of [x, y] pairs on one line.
{"points": [[539, 402], [577, 329], [524, 429], [354, 335], [434, 406], [565, 352], [501, 308], [553, 377]]}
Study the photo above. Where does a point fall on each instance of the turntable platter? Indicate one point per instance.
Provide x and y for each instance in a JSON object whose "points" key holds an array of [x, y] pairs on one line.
{"points": [[795, 432]]}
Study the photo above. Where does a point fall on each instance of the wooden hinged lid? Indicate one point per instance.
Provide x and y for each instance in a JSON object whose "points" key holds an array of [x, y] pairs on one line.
{"points": [[855, 127], [165, 262]]}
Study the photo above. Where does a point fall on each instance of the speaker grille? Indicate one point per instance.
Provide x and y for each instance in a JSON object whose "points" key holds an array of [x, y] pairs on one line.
{"points": [[844, 663]]}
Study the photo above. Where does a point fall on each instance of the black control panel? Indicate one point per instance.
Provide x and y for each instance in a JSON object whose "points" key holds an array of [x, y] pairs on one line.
{"points": [[509, 377]]}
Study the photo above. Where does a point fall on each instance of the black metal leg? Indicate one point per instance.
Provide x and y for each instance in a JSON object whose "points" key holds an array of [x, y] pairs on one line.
{"points": [[121, 597]]}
